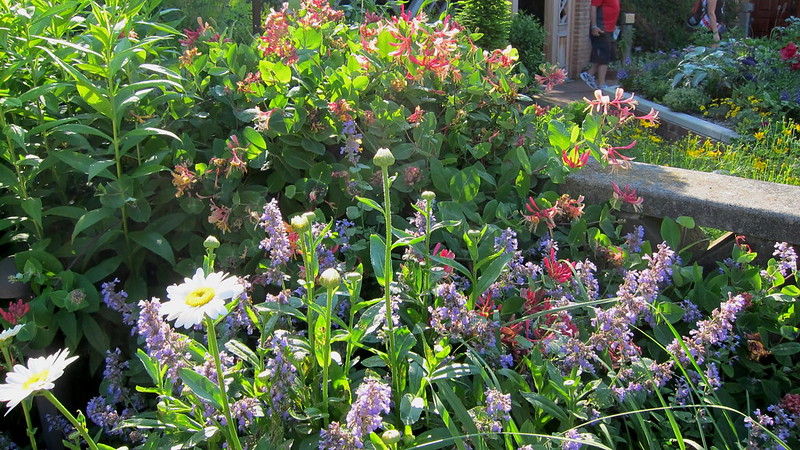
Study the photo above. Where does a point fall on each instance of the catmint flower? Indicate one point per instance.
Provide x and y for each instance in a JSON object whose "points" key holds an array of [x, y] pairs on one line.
{"points": [[507, 241], [281, 371], [506, 361], [277, 240], [787, 258], [103, 415], [373, 397], [635, 239], [341, 228], [245, 410], [118, 301], [453, 319], [161, 342], [352, 144], [337, 437], [498, 405], [691, 311], [709, 332], [113, 375], [571, 444]]}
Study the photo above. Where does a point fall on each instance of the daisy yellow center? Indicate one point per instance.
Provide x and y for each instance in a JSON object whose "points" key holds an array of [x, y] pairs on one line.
{"points": [[200, 296], [35, 379]]}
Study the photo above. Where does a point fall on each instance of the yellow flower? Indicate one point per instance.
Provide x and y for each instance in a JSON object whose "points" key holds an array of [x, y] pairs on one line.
{"points": [[758, 164], [759, 135]]}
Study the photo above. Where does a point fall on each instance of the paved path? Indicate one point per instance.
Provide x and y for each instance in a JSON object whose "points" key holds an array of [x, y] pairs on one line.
{"points": [[572, 91]]}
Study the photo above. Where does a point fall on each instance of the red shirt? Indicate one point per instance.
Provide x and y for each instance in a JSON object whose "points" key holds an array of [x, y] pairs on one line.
{"points": [[607, 14]]}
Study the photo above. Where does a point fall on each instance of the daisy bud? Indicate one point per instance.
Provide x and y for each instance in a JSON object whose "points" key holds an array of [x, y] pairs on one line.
{"points": [[428, 196], [300, 224], [353, 277], [383, 158], [390, 437], [211, 243], [330, 279]]}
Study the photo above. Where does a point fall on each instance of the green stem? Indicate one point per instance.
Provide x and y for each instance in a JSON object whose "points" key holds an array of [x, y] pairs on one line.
{"points": [[326, 357], [26, 409], [213, 348], [78, 426], [387, 277]]}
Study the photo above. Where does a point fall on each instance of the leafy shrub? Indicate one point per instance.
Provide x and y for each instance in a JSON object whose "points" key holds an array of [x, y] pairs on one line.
{"points": [[686, 99], [527, 35], [492, 18]]}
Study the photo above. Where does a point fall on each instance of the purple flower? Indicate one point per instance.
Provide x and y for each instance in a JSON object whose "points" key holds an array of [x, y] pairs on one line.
{"points": [[507, 241], [337, 437], [787, 258], [506, 361], [372, 398], [691, 311], [352, 144], [571, 445], [277, 240], [245, 410], [454, 320], [635, 239], [709, 332], [341, 228], [498, 405], [113, 376], [103, 415], [281, 371], [161, 342], [118, 301]]}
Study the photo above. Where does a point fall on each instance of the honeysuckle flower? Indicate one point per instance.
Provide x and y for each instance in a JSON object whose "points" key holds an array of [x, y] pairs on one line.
{"points": [[6, 335], [574, 159], [200, 296], [39, 374], [627, 196]]}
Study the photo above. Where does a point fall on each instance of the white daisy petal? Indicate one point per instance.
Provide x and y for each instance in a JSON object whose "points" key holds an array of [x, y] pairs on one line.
{"points": [[200, 296], [39, 374]]}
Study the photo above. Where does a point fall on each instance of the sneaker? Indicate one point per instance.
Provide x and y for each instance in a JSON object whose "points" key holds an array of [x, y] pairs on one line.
{"points": [[589, 80]]}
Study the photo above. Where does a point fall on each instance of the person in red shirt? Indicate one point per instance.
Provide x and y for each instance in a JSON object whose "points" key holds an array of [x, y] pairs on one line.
{"points": [[603, 17]]}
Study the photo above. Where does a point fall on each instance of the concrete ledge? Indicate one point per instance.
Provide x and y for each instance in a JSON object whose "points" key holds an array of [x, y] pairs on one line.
{"points": [[690, 123], [760, 209]]}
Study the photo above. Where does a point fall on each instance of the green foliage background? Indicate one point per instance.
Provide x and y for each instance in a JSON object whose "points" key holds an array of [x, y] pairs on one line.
{"points": [[490, 17]]}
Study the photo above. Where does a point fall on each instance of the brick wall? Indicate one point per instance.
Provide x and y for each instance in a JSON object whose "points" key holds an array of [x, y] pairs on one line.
{"points": [[581, 47]]}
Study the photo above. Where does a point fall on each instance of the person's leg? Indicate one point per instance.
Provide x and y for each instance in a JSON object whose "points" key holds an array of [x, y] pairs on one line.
{"points": [[601, 70]]}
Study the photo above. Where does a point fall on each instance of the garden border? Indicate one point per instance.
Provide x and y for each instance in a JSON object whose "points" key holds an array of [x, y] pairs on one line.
{"points": [[758, 209]]}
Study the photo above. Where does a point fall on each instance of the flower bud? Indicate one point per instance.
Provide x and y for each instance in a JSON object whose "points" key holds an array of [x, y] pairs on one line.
{"points": [[300, 223], [211, 243], [390, 437], [428, 196], [383, 158], [330, 278], [353, 277], [474, 235]]}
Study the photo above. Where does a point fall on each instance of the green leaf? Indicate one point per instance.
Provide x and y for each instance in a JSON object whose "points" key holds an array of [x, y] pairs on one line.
{"points": [[524, 160], [790, 290], [686, 222], [465, 185], [91, 218], [411, 408], [786, 349], [201, 386], [453, 371], [490, 275], [33, 208], [96, 337], [150, 366], [545, 404], [671, 232], [242, 351], [255, 138], [558, 135], [98, 167], [370, 203], [154, 242], [81, 129], [377, 252]]}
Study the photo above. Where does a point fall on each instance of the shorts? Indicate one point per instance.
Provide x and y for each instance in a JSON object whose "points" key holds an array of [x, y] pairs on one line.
{"points": [[603, 49]]}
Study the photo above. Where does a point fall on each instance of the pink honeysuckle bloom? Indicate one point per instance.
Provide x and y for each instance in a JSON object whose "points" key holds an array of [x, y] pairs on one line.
{"points": [[600, 102], [540, 215], [615, 158], [552, 77], [627, 196], [574, 159]]}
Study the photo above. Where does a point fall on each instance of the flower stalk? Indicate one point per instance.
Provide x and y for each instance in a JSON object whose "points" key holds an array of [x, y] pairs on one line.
{"points": [[81, 428], [213, 349]]}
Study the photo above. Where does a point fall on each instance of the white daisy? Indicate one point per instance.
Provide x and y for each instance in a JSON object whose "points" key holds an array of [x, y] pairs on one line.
{"points": [[6, 335], [198, 297], [39, 374]]}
